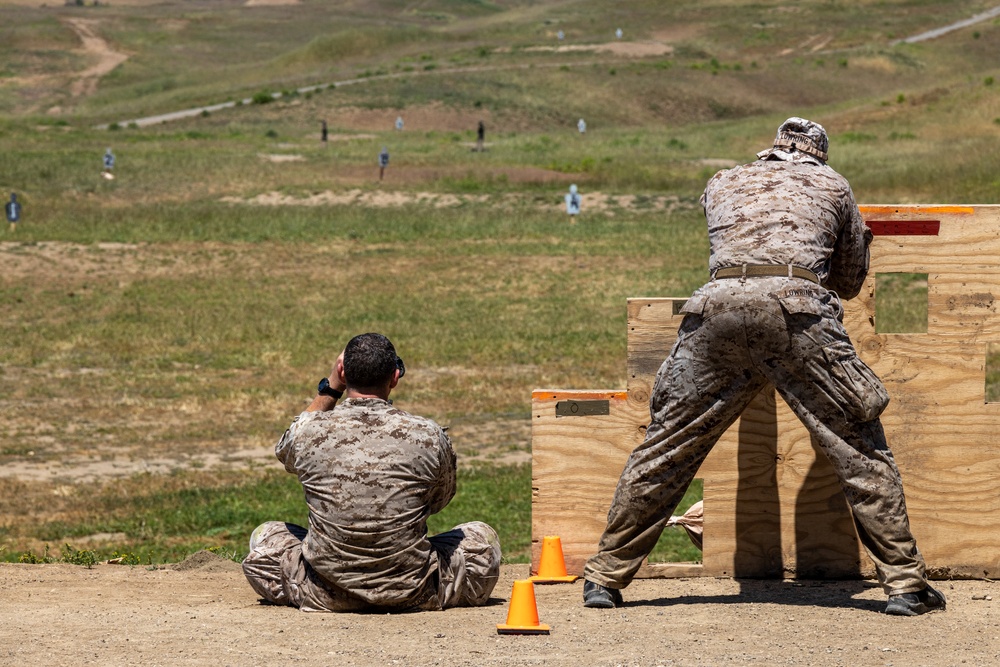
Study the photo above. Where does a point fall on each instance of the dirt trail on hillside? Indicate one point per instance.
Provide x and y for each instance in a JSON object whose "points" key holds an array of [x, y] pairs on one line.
{"points": [[202, 612], [957, 25], [94, 47]]}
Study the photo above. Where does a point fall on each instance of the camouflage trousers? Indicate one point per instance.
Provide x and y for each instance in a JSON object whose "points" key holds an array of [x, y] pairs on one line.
{"points": [[468, 559], [736, 337]]}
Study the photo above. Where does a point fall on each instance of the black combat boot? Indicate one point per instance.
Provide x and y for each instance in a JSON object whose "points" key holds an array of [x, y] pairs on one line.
{"points": [[914, 604], [595, 595]]}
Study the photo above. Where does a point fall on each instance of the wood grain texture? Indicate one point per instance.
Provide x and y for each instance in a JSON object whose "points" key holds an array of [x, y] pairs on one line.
{"points": [[773, 506], [652, 329], [576, 462]]}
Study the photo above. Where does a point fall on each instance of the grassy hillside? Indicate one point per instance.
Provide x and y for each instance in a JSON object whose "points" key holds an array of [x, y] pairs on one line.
{"points": [[179, 314]]}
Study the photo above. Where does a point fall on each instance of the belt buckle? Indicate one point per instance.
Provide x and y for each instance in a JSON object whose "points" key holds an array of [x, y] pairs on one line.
{"points": [[743, 278]]}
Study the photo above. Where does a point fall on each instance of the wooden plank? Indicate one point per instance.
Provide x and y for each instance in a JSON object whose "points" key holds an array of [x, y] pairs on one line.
{"points": [[964, 306], [652, 330], [670, 570], [773, 507], [576, 462]]}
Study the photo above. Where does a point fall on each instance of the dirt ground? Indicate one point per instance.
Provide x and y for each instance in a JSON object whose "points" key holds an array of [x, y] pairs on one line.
{"points": [[202, 612]]}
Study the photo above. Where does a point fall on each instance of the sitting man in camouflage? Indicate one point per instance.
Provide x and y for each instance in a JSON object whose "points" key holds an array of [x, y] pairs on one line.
{"points": [[372, 474], [787, 243]]}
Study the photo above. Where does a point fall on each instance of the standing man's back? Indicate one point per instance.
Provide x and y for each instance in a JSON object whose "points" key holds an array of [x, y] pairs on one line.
{"points": [[799, 212]]}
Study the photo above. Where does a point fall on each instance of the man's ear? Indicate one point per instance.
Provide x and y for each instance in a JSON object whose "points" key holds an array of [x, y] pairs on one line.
{"points": [[395, 379]]}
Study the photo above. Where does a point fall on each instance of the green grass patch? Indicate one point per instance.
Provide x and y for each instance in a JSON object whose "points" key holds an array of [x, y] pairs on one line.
{"points": [[166, 525], [498, 495], [901, 303]]}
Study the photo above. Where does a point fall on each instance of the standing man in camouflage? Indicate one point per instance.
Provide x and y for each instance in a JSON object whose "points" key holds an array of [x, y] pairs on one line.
{"points": [[786, 238], [372, 474]]}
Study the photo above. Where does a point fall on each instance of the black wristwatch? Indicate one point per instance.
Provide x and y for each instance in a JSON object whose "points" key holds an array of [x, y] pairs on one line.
{"points": [[325, 389]]}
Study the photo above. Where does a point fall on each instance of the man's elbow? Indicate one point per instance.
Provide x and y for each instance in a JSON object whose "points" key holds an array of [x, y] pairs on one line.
{"points": [[844, 290]]}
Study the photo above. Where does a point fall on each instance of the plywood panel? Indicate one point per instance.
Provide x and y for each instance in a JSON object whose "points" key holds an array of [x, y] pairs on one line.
{"points": [[773, 507], [652, 329], [576, 462]]}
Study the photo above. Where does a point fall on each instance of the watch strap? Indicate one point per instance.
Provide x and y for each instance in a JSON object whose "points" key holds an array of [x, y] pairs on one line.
{"points": [[325, 389]]}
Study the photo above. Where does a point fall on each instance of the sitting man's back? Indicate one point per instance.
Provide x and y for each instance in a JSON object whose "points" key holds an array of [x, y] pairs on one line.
{"points": [[372, 474]]}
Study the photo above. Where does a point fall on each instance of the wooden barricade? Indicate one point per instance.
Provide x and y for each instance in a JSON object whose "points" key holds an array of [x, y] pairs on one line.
{"points": [[773, 507]]}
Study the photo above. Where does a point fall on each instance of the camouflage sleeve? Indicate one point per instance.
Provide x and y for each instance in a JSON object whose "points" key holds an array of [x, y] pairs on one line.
{"points": [[284, 448], [444, 490], [849, 262]]}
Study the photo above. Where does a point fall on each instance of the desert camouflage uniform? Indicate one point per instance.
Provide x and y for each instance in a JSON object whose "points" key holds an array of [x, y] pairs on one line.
{"points": [[740, 334], [372, 474]]}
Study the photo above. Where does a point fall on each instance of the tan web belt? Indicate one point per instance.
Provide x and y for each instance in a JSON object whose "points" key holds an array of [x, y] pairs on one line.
{"points": [[758, 270]]}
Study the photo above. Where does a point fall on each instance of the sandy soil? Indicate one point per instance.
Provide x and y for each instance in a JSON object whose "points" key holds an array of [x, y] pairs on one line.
{"points": [[202, 612], [277, 158], [592, 201]]}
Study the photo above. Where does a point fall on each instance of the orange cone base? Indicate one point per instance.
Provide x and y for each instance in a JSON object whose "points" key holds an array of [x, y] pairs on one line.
{"points": [[540, 629], [539, 579]]}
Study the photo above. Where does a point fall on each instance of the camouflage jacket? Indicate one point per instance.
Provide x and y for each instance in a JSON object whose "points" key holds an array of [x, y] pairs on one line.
{"points": [[798, 212], [372, 474]]}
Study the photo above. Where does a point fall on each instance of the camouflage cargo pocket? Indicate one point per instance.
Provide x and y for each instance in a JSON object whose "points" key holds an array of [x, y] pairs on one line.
{"points": [[853, 384]]}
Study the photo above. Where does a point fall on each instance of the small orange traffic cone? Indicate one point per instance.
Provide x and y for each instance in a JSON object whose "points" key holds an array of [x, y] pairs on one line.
{"points": [[522, 616], [551, 565]]}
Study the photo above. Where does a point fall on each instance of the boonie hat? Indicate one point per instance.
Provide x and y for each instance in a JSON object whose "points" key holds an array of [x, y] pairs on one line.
{"points": [[798, 135]]}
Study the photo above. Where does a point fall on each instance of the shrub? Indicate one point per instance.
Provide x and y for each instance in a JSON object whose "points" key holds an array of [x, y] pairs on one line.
{"points": [[30, 558], [83, 557]]}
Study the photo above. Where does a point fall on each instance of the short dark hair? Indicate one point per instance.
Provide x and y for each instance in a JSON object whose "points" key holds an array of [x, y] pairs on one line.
{"points": [[369, 361]]}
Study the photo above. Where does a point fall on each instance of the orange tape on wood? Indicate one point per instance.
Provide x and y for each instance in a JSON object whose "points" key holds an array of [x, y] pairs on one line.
{"points": [[917, 210]]}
